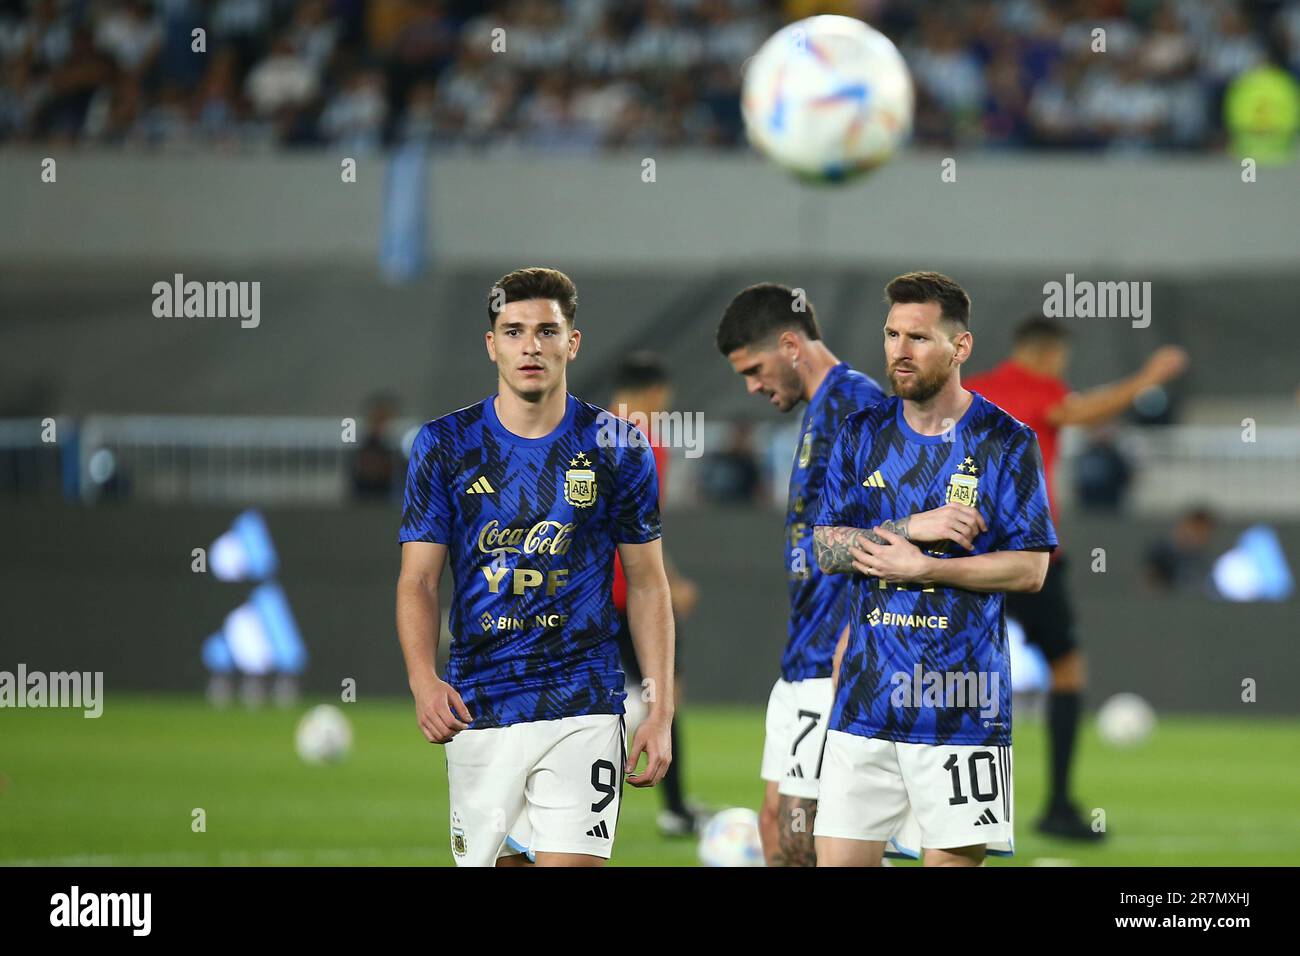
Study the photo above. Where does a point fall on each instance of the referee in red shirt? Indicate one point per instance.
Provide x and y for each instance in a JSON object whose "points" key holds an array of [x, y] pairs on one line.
{"points": [[1029, 385]]}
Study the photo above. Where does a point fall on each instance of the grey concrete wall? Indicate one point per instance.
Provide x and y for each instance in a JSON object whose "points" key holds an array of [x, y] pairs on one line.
{"points": [[702, 211], [111, 589]]}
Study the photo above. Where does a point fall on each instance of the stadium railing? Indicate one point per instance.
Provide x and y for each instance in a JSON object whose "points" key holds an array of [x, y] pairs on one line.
{"points": [[305, 460]]}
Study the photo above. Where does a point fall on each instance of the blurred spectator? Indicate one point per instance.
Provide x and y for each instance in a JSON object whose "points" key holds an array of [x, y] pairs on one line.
{"points": [[733, 476], [1262, 114], [283, 81], [377, 464], [1102, 473], [355, 116], [1182, 561], [131, 34]]}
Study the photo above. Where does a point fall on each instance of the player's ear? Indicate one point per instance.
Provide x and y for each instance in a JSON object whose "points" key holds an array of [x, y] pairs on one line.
{"points": [[575, 339], [490, 341], [963, 343], [788, 344]]}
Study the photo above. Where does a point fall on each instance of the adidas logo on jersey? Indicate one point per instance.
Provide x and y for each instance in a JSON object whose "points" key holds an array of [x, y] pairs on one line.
{"points": [[986, 818], [481, 486], [874, 480], [599, 830]]}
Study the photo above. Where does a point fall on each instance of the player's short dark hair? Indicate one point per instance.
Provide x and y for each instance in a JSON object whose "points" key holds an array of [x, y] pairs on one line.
{"points": [[1035, 329], [763, 312], [534, 282], [640, 370], [923, 287]]}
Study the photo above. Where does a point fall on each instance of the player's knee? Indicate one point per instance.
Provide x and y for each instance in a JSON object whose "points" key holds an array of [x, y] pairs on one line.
{"points": [[956, 856], [833, 851]]}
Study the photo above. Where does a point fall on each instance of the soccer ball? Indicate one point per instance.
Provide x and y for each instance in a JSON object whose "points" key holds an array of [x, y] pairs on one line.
{"points": [[730, 838], [827, 98], [1125, 720], [324, 735]]}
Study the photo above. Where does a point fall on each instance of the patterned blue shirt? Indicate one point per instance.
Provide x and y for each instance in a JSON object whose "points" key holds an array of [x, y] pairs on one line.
{"points": [[930, 665], [531, 526], [819, 603]]}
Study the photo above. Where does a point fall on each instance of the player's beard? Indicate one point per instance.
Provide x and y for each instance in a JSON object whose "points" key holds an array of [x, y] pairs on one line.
{"points": [[919, 387], [789, 389]]}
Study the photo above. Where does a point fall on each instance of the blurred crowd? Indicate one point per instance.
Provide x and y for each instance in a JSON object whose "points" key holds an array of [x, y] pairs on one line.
{"points": [[585, 75]]}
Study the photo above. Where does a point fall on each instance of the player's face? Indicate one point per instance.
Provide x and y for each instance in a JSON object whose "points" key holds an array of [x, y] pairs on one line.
{"points": [[531, 342], [921, 353], [1057, 359], [768, 372]]}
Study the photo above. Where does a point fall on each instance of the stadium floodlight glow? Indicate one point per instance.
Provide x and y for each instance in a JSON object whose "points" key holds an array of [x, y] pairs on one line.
{"points": [[1255, 569], [287, 650], [245, 552], [1030, 673], [216, 655], [259, 637], [249, 644]]}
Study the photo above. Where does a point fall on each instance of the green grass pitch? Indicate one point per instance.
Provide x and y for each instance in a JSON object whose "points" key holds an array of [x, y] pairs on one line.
{"points": [[121, 790]]}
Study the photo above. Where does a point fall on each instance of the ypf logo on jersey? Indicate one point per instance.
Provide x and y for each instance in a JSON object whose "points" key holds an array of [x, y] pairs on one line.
{"points": [[963, 486], [580, 482]]}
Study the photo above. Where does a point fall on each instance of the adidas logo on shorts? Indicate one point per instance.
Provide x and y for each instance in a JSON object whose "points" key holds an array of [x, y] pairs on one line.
{"points": [[986, 818], [599, 830]]}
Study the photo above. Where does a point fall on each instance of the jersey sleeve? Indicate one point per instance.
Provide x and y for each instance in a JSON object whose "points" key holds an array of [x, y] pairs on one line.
{"points": [[1023, 519], [839, 484], [426, 506], [636, 494]]}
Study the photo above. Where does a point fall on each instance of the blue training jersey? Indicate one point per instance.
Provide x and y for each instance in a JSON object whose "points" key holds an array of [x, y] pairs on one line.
{"points": [[819, 603], [930, 665], [531, 526]]}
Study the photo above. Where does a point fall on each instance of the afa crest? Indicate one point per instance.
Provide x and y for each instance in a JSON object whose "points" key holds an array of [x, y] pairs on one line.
{"points": [[963, 486], [458, 841], [580, 482]]}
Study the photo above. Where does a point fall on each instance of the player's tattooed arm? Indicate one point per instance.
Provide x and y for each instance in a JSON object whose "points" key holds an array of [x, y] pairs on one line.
{"points": [[898, 527], [834, 545]]}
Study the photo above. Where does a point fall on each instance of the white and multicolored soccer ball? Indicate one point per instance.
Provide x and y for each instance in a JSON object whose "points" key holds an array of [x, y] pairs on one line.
{"points": [[730, 838], [828, 98], [323, 735], [1125, 720]]}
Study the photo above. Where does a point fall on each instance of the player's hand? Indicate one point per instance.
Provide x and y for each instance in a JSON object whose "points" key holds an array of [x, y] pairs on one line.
{"points": [[898, 562], [654, 738], [440, 711], [952, 522], [1165, 363]]}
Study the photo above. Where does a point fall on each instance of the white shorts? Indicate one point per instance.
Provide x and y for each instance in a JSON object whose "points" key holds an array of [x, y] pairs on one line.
{"points": [[919, 795], [550, 786], [797, 712]]}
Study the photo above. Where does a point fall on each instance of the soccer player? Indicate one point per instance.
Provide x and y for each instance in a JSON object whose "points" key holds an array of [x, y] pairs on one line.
{"points": [[1030, 386], [769, 334], [529, 493], [934, 503], [642, 390]]}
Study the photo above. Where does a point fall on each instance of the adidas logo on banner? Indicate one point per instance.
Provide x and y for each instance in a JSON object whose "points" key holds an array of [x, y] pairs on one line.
{"points": [[986, 818], [599, 830], [480, 487], [874, 480]]}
